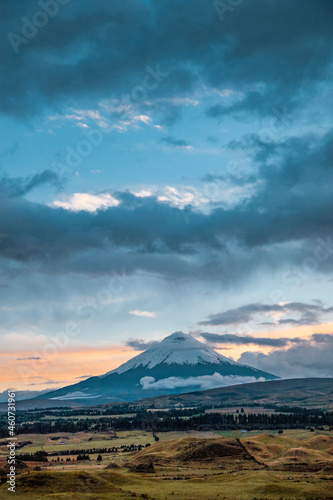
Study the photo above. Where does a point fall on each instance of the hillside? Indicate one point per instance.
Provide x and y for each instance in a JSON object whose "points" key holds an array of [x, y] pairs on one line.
{"points": [[311, 452], [304, 392]]}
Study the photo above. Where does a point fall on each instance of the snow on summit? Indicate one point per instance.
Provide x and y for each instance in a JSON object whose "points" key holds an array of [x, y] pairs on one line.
{"points": [[179, 348]]}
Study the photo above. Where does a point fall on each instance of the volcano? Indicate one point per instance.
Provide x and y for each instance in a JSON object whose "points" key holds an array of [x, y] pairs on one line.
{"points": [[176, 365]]}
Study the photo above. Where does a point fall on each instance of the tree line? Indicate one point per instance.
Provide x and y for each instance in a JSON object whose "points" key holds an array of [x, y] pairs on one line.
{"points": [[41, 456], [149, 421]]}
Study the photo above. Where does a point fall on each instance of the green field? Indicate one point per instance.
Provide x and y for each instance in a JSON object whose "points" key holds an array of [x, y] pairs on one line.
{"points": [[78, 441]]}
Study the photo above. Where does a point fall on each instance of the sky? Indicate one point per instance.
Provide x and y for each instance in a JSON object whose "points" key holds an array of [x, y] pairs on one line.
{"points": [[164, 166]]}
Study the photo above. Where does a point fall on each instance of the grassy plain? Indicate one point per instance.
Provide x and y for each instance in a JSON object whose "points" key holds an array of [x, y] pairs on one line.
{"points": [[184, 466]]}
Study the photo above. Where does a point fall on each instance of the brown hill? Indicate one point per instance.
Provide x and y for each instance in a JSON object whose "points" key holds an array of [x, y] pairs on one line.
{"points": [[280, 452], [310, 453], [206, 452]]}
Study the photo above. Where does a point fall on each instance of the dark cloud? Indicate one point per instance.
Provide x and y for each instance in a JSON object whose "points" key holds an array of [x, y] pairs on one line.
{"points": [[310, 314], [139, 344], [138, 224], [309, 320], [322, 337], [310, 358], [293, 199], [32, 358], [229, 338], [82, 54], [287, 164], [48, 382], [178, 143], [292, 203], [15, 187]]}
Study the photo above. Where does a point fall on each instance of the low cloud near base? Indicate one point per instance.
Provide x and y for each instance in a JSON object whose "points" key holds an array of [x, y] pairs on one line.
{"points": [[204, 382]]}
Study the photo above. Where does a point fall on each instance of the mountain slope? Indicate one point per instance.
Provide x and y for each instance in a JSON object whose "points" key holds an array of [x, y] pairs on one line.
{"points": [[303, 392], [176, 365]]}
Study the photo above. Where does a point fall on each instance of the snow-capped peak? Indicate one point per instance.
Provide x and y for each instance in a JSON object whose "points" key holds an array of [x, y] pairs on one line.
{"points": [[179, 348]]}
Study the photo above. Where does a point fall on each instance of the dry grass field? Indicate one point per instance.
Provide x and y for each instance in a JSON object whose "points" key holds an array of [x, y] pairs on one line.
{"points": [[185, 466]]}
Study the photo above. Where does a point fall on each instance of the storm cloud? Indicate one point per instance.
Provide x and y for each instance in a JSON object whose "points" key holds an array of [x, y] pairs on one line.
{"points": [[177, 143], [311, 358], [229, 338], [267, 51], [310, 314], [140, 344], [186, 241]]}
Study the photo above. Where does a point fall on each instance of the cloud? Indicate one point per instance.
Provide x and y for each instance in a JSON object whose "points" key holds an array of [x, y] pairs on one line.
{"points": [[86, 201], [310, 358], [201, 383], [177, 143], [31, 358], [310, 314], [86, 39], [140, 345], [228, 338], [145, 314], [322, 337], [20, 186], [180, 196], [290, 208]]}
